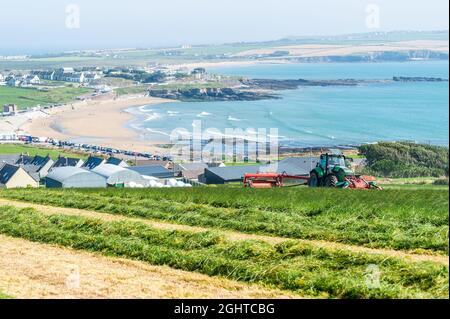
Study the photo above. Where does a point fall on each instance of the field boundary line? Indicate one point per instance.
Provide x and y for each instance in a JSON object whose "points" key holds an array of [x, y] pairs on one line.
{"points": [[231, 235]]}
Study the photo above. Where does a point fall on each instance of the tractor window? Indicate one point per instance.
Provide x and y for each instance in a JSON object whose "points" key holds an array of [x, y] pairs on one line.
{"points": [[336, 161]]}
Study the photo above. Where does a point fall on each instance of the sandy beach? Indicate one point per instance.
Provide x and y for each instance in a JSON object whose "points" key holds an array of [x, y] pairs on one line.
{"points": [[100, 121]]}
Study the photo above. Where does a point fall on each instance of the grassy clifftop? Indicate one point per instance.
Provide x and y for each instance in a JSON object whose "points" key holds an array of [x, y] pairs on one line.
{"points": [[28, 97]]}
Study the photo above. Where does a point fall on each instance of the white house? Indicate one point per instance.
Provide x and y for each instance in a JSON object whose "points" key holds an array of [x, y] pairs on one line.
{"points": [[12, 176], [69, 75], [76, 77], [45, 75], [30, 79]]}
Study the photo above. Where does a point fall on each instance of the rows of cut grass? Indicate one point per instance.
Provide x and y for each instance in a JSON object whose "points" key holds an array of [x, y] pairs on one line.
{"points": [[4, 296], [395, 219], [290, 265]]}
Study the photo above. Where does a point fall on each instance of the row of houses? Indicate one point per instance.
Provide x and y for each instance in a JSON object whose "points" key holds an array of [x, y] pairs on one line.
{"points": [[36, 77], [98, 172], [67, 75], [20, 80], [26, 171]]}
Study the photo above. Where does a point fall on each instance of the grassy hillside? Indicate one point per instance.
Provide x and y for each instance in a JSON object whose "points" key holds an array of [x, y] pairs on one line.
{"points": [[290, 265], [396, 219], [41, 151], [405, 159], [27, 97], [343, 234]]}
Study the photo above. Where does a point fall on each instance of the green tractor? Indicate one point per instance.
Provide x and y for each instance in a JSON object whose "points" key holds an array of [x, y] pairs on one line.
{"points": [[332, 171]]}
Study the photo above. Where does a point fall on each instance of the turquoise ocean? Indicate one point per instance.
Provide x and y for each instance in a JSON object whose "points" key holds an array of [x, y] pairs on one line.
{"points": [[322, 116]]}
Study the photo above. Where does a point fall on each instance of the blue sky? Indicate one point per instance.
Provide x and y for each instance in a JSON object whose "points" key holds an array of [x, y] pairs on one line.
{"points": [[30, 25]]}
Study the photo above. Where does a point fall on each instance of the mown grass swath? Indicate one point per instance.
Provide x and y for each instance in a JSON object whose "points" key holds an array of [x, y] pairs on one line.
{"points": [[5, 296], [290, 265], [397, 219]]}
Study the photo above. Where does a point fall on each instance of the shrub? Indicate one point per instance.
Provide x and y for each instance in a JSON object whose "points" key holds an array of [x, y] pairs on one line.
{"points": [[403, 159]]}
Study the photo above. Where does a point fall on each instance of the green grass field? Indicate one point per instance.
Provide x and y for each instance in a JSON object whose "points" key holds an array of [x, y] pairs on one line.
{"points": [[41, 151], [395, 219], [27, 97], [292, 266]]}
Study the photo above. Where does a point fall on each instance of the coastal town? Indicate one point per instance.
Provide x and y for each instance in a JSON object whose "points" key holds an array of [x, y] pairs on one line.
{"points": [[301, 167], [123, 161], [144, 167], [125, 169]]}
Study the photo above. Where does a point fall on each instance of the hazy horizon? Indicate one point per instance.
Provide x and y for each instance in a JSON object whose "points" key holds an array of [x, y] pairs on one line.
{"points": [[55, 26]]}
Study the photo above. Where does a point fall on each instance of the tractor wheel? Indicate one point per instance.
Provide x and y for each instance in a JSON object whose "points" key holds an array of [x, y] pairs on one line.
{"points": [[331, 181], [313, 180]]}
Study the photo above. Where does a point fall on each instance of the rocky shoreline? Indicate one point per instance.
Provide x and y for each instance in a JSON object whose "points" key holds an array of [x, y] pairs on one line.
{"points": [[247, 90], [266, 89], [212, 94]]}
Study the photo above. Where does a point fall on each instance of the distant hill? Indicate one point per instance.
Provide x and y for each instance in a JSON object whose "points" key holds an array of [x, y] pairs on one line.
{"points": [[365, 38]]}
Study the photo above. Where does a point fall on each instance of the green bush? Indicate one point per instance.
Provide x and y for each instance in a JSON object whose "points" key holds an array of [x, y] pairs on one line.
{"points": [[403, 159]]}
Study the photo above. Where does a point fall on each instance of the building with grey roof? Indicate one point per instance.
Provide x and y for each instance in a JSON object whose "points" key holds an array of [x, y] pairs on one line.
{"points": [[229, 174], [67, 161], [157, 171], [13, 176], [74, 177], [116, 161], [44, 165], [37, 166], [296, 166], [92, 162], [190, 170], [147, 162], [119, 176], [33, 171], [24, 160], [9, 159]]}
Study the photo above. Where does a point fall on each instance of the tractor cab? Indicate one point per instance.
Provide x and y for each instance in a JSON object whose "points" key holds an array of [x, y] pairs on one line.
{"points": [[329, 161], [334, 162]]}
